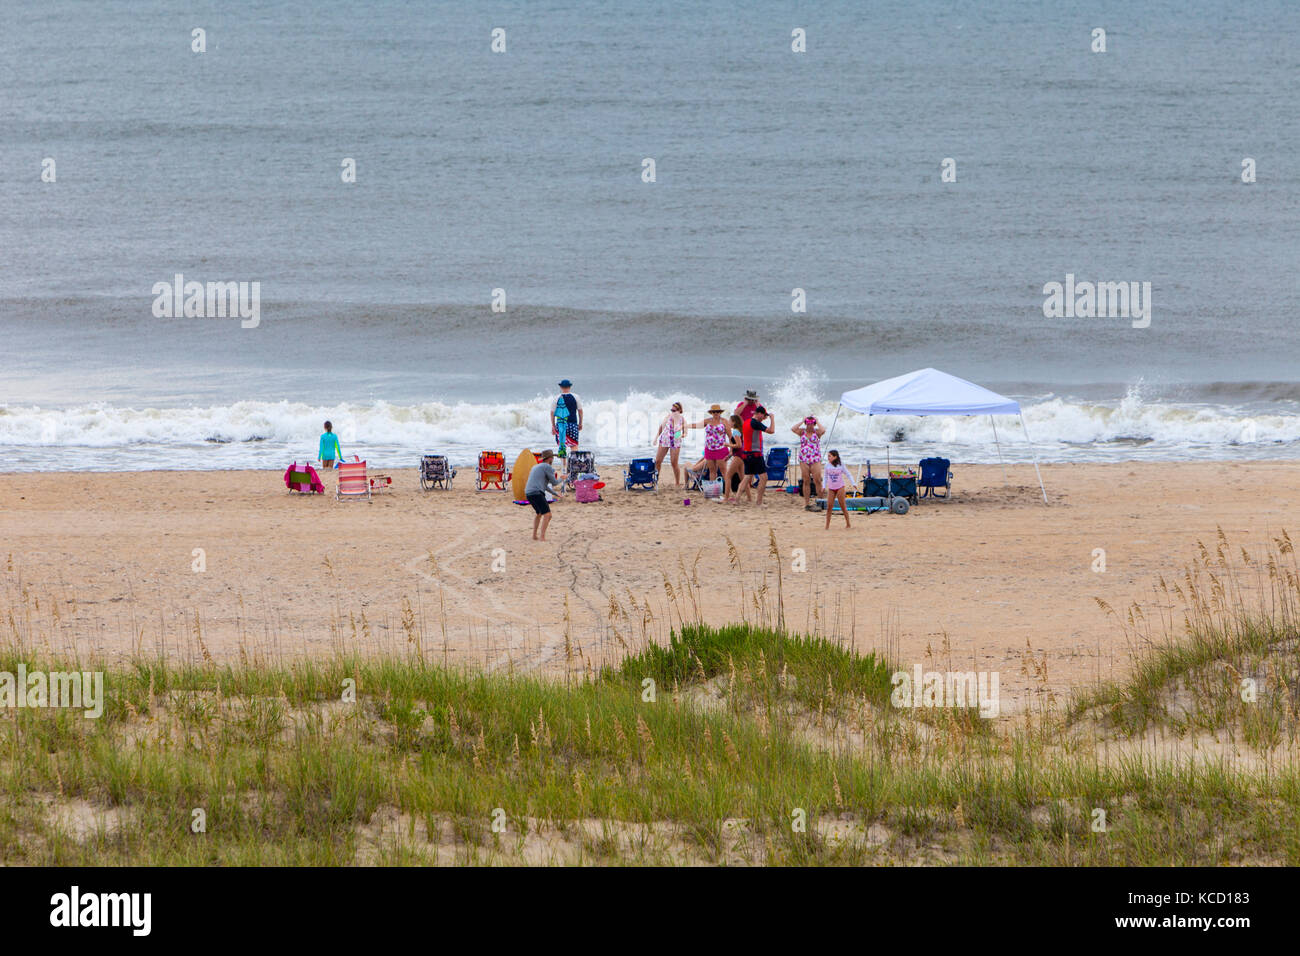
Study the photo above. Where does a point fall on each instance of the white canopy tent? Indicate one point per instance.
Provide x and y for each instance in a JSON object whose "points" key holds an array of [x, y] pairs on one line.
{"points": [[928, 391]]}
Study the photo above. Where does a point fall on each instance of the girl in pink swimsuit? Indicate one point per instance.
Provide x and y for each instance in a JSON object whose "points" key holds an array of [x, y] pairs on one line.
{"points": [[810, 434]]}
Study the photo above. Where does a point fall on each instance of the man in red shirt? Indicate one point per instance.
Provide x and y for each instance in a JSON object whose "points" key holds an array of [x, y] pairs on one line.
{"points": [[752, 435], [746, 408]]}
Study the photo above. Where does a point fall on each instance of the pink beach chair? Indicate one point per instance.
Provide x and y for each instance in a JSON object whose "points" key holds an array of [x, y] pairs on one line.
{"points": [[353, 483], [303, 479]]}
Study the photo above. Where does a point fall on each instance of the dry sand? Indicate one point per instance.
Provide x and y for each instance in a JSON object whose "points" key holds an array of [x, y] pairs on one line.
{"points": [[104, 564]]}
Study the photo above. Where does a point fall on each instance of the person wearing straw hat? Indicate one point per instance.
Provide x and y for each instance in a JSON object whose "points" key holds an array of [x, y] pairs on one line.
{"points": [[715, 443]]}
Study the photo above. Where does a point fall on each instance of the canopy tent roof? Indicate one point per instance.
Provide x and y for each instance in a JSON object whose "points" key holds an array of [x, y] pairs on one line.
{"points": [[928, 391]]}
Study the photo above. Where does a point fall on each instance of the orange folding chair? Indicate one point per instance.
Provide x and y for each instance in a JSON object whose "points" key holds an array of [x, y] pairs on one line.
{"points": [[491, 471]]}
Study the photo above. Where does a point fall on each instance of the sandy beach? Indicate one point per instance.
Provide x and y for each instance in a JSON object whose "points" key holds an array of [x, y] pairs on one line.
{"points": [[106, 564]]}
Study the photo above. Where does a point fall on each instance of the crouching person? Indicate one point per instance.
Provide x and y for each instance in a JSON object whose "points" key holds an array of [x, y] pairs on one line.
{"points": [[542, 479]]}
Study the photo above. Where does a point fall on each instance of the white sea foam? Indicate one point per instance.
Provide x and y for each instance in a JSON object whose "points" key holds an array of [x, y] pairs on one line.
{"points": [[262, 434]]}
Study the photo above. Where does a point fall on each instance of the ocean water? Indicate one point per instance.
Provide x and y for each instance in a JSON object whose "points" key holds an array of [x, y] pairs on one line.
{"points": [[522, 171]]}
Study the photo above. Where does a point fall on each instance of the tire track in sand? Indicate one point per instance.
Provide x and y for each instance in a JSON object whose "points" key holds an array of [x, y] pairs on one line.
{"points": [[444, 557]]}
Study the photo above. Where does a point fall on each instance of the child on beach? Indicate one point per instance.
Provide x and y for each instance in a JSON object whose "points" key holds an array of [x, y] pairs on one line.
{"points": [[671, 431], [736, 449], [542, 479], [330, 449], [837, 478]]}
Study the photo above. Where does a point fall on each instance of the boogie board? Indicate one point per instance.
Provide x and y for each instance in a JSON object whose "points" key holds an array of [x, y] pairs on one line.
{"points": [[523, 465]]}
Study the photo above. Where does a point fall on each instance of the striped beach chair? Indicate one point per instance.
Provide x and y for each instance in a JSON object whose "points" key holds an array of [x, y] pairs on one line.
{"points": [[353, 483]]}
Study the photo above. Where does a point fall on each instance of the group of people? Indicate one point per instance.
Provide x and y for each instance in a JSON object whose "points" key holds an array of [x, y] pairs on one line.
{"points": [[733, 454]]}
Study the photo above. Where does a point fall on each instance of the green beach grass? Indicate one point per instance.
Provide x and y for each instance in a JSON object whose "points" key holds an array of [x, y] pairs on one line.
{"points": [[741, 745]]}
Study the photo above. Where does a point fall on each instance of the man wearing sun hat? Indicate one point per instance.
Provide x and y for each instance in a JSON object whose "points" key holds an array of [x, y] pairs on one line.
{"points": [[566, 418], [745, 409]]}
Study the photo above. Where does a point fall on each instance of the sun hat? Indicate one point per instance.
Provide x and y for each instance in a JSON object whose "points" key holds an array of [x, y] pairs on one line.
{"points": [[565, 383], [715, 408], [751, 395]]}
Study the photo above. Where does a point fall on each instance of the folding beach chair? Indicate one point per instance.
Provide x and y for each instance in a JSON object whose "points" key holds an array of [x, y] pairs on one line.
{"points": [[778, 460], [935, 475], [353, 483], [435, 472], [303, 479], [380, 483], [491, 471], [580, 463], [641, 473]]}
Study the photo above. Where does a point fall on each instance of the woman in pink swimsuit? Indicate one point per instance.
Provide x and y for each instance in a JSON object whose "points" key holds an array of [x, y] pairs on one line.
{"points": [[715, 442], [671, 431], [810, 434]]}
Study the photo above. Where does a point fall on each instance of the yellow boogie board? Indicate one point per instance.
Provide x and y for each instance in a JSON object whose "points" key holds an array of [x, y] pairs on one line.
{"points": [[519, 477]]}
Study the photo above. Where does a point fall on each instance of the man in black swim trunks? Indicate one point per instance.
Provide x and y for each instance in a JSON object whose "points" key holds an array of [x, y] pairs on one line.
{"points": [[541, 479], [752, 432]]}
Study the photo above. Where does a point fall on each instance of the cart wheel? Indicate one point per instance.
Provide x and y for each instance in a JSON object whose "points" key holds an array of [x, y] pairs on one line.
{"points": [[898, 506]]}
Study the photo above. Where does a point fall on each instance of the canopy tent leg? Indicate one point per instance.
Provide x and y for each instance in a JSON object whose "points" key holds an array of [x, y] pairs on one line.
{"points": [[998, 446], [833, 421], [1035, 454], [867, 441]]}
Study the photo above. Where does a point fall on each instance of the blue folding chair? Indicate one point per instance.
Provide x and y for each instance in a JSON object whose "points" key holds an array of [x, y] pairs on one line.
{"points": [[935, 475], [778, 460], [641, 473]]}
